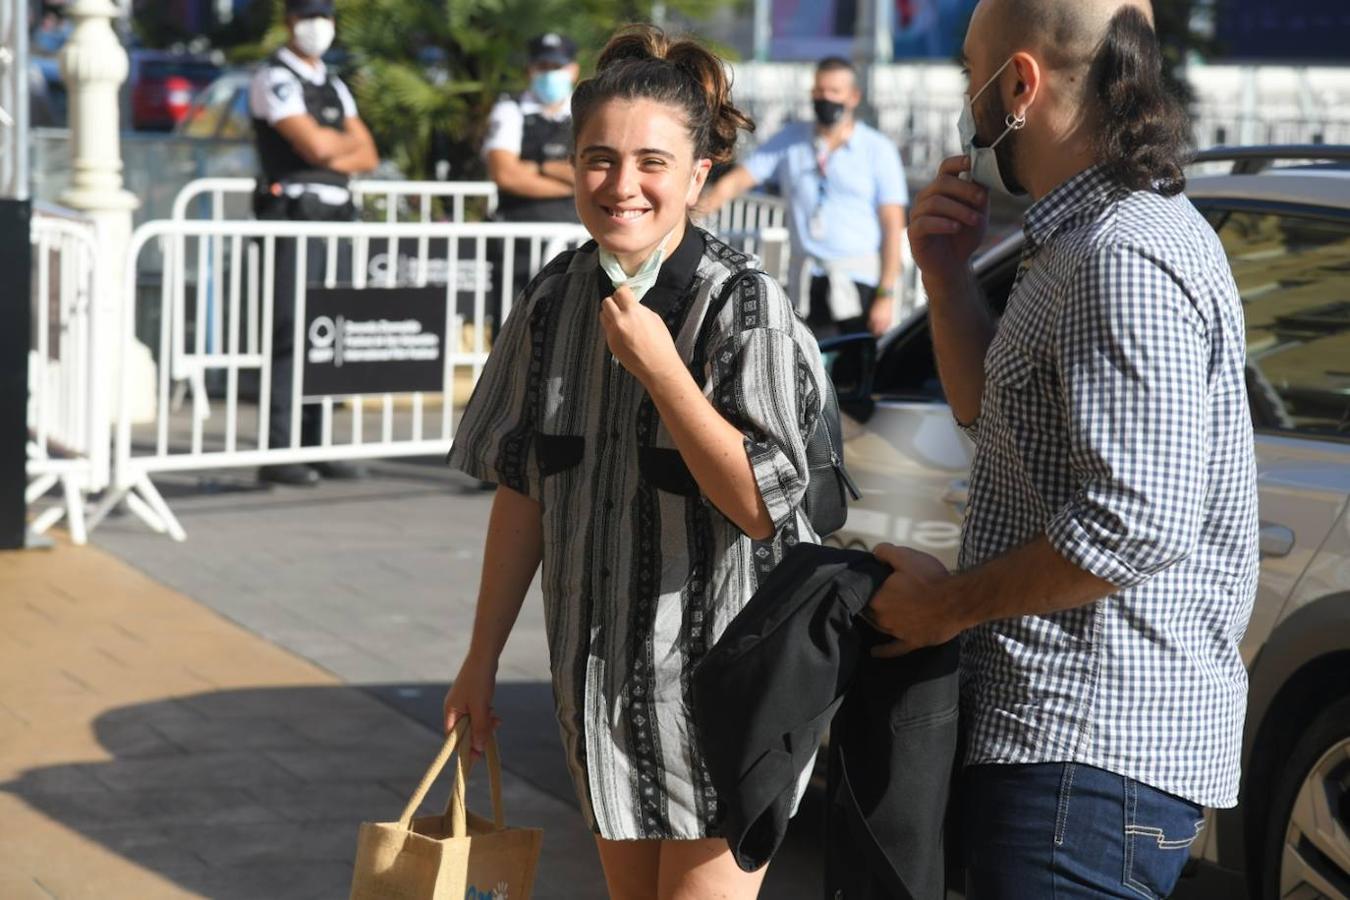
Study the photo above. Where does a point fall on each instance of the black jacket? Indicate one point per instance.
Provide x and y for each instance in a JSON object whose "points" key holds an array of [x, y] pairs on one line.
{"points": [[765, 695]]}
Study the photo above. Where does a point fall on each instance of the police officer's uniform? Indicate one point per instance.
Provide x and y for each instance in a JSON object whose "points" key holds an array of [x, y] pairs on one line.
{"points": [[522, 125], [291, 188]]}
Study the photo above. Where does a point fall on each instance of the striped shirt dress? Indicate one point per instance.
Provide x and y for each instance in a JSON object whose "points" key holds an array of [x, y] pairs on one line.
{"points": [[641, 574]]}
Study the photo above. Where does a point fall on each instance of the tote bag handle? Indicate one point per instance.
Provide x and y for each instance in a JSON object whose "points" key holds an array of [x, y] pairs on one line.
{"points": [[456, 811]]}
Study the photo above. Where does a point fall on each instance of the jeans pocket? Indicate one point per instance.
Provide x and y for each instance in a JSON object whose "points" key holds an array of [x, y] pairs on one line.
{"points": [[1159, 832]]}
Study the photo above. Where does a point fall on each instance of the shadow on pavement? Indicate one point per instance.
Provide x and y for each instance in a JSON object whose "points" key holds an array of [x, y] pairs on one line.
{"points": [[259, 793], [532, 750]]}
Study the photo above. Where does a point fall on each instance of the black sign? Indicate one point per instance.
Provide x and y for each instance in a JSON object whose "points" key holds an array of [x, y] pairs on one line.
{"points": [[374, 341]]}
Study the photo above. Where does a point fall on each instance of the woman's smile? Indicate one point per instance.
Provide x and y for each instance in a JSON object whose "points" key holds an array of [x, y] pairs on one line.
{"points": [[626, 214]]}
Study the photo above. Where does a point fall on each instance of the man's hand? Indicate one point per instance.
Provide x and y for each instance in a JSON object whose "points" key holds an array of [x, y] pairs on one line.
{"points": [[907, 606], [948, 222], [880, 315], [638, 337]]}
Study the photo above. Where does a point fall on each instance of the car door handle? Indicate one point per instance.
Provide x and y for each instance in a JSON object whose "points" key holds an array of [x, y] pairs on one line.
{"points": [[1276, 540], [958, 493]]}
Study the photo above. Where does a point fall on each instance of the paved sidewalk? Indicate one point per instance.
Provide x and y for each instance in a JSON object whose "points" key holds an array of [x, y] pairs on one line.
{"points": [[375, 581], [151, 748]]}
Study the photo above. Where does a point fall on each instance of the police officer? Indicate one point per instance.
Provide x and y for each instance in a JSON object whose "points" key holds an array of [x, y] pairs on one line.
{"points": [[310, 142], [530, 137], [528, 149]]}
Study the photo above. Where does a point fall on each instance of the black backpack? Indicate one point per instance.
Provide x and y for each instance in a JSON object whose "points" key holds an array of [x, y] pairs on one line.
{"points": [[828, 486]]}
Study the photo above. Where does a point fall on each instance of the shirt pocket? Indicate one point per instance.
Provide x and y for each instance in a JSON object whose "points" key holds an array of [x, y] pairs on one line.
{"points": [[664, 468], [558, 452], [1008, 367]]}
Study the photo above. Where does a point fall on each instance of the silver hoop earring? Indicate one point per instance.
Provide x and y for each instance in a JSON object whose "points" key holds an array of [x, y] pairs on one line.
{"points": [[1015, 121]]}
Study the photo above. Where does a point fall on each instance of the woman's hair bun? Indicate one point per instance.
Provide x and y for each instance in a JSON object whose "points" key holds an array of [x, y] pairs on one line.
{"points": [[641, 61]]}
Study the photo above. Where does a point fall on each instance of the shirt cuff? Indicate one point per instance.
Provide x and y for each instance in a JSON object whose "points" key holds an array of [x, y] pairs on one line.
{"points": [[780, 487], [1074, 541], [521, 482], [971, 430]]}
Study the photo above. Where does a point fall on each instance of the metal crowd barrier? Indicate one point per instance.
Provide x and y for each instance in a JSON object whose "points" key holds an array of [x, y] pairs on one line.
{"points": [[69, 434], [392, 201], [453, 266], [460, 268]]}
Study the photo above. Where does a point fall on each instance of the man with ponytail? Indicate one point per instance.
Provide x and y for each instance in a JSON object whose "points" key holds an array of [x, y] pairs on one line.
{"points": [[1109, 550]]}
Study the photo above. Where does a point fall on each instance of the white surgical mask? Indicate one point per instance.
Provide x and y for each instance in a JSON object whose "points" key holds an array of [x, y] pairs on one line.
{"points": [[640, 281], [315, 35], [984, 168]]}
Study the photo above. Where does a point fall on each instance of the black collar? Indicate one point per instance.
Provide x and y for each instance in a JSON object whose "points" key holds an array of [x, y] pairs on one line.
{"points": [[672, 283], [676, 274]]}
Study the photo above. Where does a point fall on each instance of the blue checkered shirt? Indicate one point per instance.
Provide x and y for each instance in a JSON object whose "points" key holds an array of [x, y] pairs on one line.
{"points": [[1114, 421]]}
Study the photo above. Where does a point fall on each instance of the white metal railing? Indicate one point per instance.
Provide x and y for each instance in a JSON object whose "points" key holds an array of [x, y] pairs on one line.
{"points": [[472, 263], [748, 212], [375, 199], [68, 439]]}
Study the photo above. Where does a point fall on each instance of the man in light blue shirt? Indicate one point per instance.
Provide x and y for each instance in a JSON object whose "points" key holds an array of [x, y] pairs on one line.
{"points": [[846, 195]]}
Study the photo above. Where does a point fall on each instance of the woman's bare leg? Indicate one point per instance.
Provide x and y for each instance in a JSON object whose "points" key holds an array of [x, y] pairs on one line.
{"points": [[704, 870], [631, 868]]}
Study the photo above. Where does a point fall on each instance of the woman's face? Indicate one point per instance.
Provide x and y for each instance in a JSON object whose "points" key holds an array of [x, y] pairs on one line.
{"points": [[636, 177]]}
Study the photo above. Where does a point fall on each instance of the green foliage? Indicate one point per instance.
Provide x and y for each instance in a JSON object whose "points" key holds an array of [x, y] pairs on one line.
{"points": [[426, 72]]}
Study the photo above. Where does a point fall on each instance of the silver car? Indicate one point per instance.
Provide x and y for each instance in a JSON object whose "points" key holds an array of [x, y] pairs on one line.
{"points": [[1283, 215]]}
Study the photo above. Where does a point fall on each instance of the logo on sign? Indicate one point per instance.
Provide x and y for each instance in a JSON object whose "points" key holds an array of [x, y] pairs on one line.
{"points": [[347, 340], [374, 341]]}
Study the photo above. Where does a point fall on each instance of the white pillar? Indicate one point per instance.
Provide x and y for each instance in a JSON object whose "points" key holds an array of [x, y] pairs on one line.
{"points": [[94, 65]]}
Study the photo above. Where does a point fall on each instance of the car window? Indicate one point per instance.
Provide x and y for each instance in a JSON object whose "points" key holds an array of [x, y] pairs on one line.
{"points": [[237, 123], [1293, 273], [907, 369], [211, 111]]}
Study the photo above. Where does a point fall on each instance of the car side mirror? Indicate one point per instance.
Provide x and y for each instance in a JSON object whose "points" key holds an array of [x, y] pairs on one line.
{"points": [[850, 363]]}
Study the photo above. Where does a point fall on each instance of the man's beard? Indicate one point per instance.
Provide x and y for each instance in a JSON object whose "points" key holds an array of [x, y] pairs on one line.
{"points": [[1006, 151]]}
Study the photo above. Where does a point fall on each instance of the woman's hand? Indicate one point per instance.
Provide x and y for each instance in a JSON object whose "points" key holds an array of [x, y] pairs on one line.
{"points": [[638, 337], [471, 697]]}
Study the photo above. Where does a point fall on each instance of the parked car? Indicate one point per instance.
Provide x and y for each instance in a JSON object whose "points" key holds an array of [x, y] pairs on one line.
{"points": [[162, 86], [220, 110], [1283, 215]]}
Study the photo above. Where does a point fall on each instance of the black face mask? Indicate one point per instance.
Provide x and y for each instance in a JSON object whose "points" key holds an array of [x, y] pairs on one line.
{"points": [[828, 112]]}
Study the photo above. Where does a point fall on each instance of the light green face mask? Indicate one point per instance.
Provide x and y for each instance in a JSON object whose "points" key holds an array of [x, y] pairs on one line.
{"points": [[642, 280]]}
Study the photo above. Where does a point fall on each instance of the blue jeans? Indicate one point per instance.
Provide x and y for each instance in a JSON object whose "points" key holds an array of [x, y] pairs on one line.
{"points": [[1064, 830]]}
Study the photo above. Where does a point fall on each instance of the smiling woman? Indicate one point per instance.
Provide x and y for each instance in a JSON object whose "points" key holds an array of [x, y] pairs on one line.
{"points": [[647, 128], [649, 438]]}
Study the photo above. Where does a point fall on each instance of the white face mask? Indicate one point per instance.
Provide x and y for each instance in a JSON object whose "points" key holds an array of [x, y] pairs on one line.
{"points": [[314, 36], [642, 280], [984, 168]]}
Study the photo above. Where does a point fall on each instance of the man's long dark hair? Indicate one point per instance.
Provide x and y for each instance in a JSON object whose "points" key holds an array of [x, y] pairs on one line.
{"points": [[1143, 129]]}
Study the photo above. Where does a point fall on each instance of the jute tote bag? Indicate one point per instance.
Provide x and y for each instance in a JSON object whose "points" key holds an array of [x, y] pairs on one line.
{"points": [[455, 856]]}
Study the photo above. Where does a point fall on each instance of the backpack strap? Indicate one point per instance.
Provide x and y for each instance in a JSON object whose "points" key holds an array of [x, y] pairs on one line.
{"points": [[700, 354]]}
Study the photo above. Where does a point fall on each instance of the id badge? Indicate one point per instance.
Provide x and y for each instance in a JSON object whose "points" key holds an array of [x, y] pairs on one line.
{"points": [[817, 227]]}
